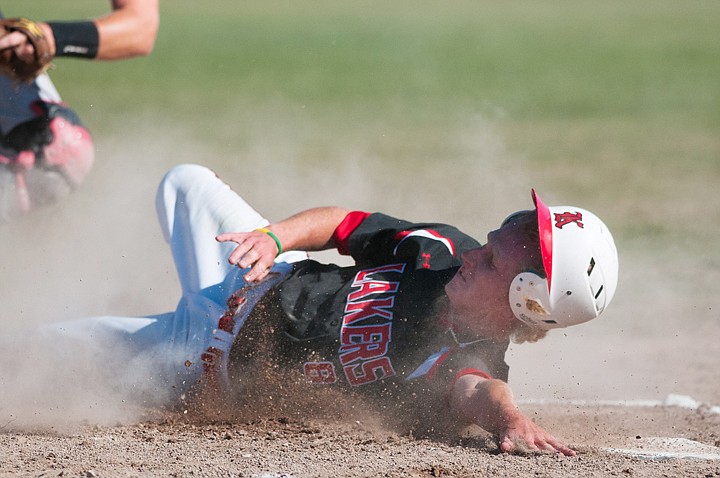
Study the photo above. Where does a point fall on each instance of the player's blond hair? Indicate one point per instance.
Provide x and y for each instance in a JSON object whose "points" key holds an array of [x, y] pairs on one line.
{"points": [[526, 333]]}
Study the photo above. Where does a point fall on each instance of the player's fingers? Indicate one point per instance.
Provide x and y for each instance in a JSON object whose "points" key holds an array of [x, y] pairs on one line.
{"points": [[556, 446], [567, 451], [249, 258], [550, 444], [258, 272], [254, 250], [12, 40], [238, 238], [240, 256], [506, 445], [229, 237], [26, 52]]}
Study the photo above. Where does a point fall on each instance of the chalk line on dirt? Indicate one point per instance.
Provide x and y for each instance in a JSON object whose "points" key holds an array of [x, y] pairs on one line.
{"points": [[653, 448], [672, 400], [667, 447]]}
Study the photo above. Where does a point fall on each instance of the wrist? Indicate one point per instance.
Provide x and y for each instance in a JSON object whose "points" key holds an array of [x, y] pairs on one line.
{"points": [[76, 39], [274, 238], [508, 417], [49, 36], [499, 404]]}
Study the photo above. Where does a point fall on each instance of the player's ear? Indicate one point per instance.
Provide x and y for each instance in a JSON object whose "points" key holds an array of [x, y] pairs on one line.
{"points": [[530, 300]]}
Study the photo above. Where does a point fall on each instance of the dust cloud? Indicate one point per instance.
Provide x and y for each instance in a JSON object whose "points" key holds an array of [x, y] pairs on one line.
{"points": [[101, 252], [53, 383]]}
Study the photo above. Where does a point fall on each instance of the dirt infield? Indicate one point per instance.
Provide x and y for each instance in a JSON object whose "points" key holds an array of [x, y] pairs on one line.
{"points": [[658, 339], [656, 441]]}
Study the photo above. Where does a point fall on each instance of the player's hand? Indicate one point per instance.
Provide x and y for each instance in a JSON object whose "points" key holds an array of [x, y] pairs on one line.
{"points": [[26, 48], [520, 434], [19, 43], [255, 250]]}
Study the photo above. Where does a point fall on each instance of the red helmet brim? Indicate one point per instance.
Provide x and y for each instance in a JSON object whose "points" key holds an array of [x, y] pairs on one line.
{"points": [[546, 235]]}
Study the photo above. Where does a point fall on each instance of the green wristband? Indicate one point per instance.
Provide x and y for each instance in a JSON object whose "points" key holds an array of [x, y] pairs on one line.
{"points": [[274, 237]]}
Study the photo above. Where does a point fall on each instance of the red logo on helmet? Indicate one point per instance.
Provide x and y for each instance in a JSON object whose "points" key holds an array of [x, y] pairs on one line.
{"points": [[565, 218]]}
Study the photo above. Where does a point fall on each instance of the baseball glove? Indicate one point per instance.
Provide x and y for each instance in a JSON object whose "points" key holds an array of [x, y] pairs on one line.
{"points": [[18, 67]]}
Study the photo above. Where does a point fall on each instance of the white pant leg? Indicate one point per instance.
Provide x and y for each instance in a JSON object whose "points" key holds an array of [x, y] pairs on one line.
{"points": [[159, 357], [133, 360], [194, 206], [121, 341]]}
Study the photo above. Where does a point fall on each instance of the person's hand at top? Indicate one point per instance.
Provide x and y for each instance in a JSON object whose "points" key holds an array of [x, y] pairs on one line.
{"points": [[129, 30], [19, 43]]}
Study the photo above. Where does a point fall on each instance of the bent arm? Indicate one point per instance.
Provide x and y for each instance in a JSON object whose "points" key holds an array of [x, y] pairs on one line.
{"points": [[490, 404], [130, 30], [310, 230]]}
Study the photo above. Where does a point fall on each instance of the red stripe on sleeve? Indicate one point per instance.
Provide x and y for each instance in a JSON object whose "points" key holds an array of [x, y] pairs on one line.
{"points": [[467, 371], [401, 235], [471, 371], [342, 233], [462, 373]]}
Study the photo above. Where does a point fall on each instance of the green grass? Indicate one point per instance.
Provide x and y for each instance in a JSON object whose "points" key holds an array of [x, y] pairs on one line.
{"points": [[614, 105], [535, 60]]}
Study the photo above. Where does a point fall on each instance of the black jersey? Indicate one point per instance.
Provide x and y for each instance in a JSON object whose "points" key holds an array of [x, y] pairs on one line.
{"points": [[372, 325]]}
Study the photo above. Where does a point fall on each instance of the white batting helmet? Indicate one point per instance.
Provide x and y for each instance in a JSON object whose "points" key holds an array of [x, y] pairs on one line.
{"points": [[581, 265]]}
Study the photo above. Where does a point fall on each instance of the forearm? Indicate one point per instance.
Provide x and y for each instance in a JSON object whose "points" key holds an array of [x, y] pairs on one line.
{"points": [[487, 403], [128, 31], [490, 404], [309, 230]]}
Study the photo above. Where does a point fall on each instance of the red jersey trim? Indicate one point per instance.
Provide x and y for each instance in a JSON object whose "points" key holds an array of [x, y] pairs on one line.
{"points": [[342, 233], [471, 371], [433, 370], [467, 371], [462, 373], [428, 233]]}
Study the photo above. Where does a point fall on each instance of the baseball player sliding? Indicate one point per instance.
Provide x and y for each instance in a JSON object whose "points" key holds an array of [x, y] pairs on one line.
{"points": [[423, 317], [45, 151]]}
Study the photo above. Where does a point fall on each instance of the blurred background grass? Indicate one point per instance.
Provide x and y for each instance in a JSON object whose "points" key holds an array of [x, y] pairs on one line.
{"points": [[447, 111], [614, 103]]}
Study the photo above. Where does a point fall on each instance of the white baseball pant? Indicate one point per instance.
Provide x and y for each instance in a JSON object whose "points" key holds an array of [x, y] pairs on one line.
{"points": [[162, 352]]}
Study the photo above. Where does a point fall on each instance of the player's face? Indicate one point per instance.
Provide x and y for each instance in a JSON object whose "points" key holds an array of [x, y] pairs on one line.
{"points": [[479, 291]]}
